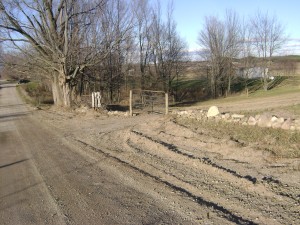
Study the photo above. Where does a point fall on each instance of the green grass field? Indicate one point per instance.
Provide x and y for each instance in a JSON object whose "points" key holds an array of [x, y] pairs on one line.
{"points": [[287, 86]]}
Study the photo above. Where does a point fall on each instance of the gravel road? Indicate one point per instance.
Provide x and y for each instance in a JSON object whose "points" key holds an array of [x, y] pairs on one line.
{"points": [[61, 167]]}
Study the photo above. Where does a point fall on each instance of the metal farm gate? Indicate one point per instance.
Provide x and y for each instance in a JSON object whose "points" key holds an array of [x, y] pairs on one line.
{"points": [[149, 101]]}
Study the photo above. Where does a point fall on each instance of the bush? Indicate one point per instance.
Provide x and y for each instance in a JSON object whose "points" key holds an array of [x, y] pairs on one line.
{"points": [[38, 93]]}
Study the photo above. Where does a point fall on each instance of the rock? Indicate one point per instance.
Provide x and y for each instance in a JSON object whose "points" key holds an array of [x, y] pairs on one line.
{"points": [[252, 121], [278, 123], [264, 121], [225, 116], [116, 113], [296, 165], [182, 113], [281, 120], [237, 116], [297, 122], [274, 119], [82, 109], [213, 111], [257, 117], [244, 120], [287, 124]]}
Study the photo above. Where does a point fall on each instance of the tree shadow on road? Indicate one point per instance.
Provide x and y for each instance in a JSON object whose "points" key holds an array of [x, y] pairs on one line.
{"points": [[10, 164], [13, 115]]}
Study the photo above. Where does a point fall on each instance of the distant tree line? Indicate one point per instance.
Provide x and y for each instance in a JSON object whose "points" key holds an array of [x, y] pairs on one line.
{"points": [[108, 45], [225, 40]]}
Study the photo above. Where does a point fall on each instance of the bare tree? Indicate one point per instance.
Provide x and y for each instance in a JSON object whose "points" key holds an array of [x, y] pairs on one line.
{"points": [[210, 40], [247, 54], [143, 13], [268, 37], [168, 48], [16, 65], [233, 44], [116, 24], [1, 60], [57, 32], [221, 40]]}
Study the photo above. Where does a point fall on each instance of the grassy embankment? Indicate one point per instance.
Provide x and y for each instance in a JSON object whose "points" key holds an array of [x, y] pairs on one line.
{"points": [[281, 143]]}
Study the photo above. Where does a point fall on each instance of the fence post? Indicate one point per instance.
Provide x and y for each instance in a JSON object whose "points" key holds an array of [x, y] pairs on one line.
{"points": [[130, 102], [93, 100], [98, 99], [167, 103]]}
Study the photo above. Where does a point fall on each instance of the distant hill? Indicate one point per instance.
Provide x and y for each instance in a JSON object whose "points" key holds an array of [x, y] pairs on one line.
{"points": [[295, 58], [281, 65]]}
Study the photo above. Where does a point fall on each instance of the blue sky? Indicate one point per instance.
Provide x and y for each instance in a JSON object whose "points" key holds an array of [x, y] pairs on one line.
{"points": [[190, 14]]}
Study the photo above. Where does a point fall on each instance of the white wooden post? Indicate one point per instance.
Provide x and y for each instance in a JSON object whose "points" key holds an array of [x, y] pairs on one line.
{"points": [[96, 100], [93, 100], [130, 102], [100, 99]]}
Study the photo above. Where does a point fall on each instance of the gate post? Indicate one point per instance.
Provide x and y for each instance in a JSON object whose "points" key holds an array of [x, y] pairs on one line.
{"points": [[167, 103]]}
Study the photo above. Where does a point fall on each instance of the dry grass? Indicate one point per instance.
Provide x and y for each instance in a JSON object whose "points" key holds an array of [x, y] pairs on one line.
{"points": [[35, 94], [282, 143]]}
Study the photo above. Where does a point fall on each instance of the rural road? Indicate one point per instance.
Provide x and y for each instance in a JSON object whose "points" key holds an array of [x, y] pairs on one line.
{"points": [[24, 196], [64, 167]]}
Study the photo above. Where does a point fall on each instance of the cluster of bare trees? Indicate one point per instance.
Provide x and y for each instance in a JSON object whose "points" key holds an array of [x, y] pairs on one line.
{"points": [[229, 38], [97, 45], [83, 44]]}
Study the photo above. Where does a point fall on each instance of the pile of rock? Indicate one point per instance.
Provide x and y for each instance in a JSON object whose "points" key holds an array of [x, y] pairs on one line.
{"points": [[263, 120], [118, 113]]}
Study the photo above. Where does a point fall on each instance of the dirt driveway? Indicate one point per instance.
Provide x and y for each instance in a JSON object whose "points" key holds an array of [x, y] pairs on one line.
{"points": [[61, 167]]}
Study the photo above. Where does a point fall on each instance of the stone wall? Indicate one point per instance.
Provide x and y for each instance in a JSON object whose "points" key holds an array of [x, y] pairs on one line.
{"points": [[263, 120]]}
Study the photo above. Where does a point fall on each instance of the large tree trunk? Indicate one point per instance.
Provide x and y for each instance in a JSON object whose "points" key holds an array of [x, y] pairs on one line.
{"points": [[67, 93], [61, 90], [56, 92]]}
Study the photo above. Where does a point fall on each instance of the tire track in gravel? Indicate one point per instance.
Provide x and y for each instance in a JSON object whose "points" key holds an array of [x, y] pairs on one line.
{"points": [[233, 203], [205, 160], [273, 184], [222, 211], [249, 199], [277, 187]]}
